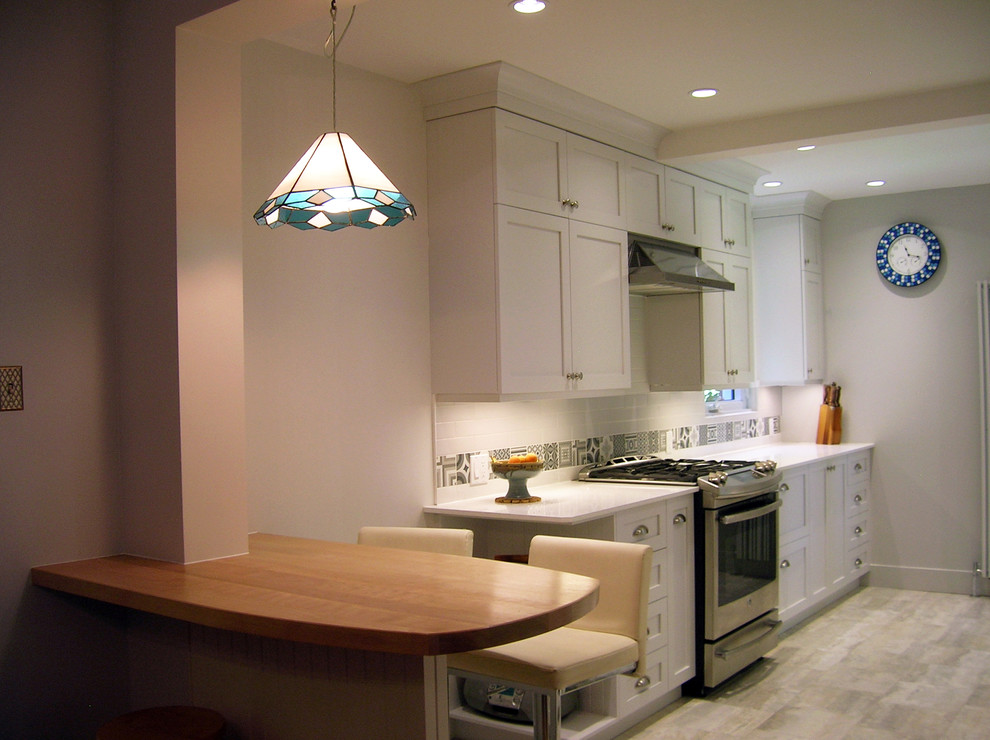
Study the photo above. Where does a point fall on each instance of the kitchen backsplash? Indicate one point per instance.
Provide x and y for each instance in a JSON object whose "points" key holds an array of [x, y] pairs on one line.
{"points": [[576, 432]]}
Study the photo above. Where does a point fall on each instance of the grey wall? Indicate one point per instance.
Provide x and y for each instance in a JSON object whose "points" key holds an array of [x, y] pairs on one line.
{"points": [[62, 664], [907, 361]]}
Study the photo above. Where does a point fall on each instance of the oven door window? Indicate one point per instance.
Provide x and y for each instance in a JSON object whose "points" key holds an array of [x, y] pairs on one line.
{"points": [[747, 548]]}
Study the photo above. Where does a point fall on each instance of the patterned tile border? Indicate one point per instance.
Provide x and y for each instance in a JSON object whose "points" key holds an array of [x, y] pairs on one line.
{"points": [[452, 470]]}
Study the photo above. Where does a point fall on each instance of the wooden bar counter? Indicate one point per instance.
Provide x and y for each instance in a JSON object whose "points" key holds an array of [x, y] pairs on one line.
{"points": [[350, 598]]}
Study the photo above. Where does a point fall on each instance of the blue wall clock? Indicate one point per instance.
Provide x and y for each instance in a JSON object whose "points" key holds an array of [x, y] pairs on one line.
{"points": [[908, 254]]}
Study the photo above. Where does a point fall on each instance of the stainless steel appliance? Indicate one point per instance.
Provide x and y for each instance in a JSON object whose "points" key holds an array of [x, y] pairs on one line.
{"points": [[736, 562]]}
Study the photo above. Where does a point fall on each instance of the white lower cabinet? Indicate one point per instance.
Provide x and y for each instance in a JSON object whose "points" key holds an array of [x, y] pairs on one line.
{"points": [[610, 707], [795, 590], [824, 532]]}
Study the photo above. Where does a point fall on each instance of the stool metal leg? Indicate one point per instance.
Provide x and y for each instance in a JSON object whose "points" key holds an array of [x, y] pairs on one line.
{"points": [[546, 722]]}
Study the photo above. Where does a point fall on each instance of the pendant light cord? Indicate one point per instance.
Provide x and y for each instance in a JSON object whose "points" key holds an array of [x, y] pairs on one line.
{"points": [[330, 50]]}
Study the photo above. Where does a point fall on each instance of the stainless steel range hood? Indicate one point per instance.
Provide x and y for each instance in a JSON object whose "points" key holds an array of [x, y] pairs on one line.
{"points": [[657, 267]]}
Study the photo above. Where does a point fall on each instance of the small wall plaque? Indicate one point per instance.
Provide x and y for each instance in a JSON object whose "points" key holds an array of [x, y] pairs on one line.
{"points": [[11, 389]]}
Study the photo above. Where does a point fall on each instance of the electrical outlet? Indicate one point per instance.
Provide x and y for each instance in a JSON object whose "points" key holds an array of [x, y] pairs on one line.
{"points": [[11, 389], [481, 469]]}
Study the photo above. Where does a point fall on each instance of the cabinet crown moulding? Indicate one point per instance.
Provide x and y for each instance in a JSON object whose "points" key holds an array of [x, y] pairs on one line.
{"points": [[805, 203], [501, 85]]}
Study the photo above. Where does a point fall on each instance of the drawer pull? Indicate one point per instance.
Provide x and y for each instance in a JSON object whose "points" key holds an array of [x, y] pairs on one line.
{"points": [[785, 563], [680, 519], [643, 682], [641, 531], [858, 467], [784, 487]]}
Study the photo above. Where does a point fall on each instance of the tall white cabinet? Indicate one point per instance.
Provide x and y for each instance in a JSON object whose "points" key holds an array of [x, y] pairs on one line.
{"points": [[789, 297]]}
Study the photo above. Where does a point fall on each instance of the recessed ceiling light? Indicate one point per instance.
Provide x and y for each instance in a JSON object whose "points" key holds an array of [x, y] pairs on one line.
{"points": [[704, 92], [876, 183], [528, 6], [772, 184], [806, 148]]}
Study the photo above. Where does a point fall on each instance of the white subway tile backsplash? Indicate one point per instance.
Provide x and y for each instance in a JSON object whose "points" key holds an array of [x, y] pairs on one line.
{"points": [[569, 433]]}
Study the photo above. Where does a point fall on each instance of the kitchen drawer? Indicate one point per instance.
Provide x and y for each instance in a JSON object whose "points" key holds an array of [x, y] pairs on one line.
{"points": [[631, 692], [656, 625], [658, 576], [857, 468], [859, 560], [857, 531], [645, 524], [794, 508], [857, 499]]}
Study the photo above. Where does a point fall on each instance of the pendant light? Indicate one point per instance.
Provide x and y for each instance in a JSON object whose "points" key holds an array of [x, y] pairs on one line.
{"points": [[334, 184]]}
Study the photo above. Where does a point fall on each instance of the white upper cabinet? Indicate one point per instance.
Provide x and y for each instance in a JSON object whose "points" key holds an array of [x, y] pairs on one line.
{"points": [[790, 311], [563, 304], [522, 300], [645, 197], [545, 169], [681, 219], [727, 322], [724, 219]]}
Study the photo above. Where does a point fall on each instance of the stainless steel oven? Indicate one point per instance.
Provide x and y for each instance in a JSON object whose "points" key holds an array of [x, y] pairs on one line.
{"points": [[739, 592], [736, 561]]}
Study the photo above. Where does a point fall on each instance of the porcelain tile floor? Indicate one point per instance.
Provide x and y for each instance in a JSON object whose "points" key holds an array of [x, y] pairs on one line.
{"points": [[882, 664]]}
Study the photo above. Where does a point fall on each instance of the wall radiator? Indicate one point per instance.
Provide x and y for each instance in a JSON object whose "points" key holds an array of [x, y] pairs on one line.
{"points": [[983, 318]]}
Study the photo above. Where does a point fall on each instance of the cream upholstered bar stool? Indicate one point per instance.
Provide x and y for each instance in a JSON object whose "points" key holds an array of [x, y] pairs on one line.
{"points": [[426, 539], [608, 640]]}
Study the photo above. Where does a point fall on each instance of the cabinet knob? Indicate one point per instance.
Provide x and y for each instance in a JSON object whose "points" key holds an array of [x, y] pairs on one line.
{"points": [[858, 563], [680, 519], [641, 531], [858, 531], [858, 499], [784, 487], [668, 227], [785, 563], [569, 203], [858, 467], [575, 376], [643, 682]]}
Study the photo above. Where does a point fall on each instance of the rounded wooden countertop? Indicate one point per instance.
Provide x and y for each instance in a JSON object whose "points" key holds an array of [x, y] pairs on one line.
{"points": [[340, 594]]}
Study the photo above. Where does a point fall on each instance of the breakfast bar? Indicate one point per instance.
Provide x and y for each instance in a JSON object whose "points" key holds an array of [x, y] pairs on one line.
{"points": [[409, 608]]}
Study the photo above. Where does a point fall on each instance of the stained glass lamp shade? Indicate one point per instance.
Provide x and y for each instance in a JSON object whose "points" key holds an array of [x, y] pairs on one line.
{"points": [[335, 184]]}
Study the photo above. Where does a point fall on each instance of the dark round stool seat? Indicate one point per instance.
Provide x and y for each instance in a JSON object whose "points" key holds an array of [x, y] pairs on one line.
{"points": [[164, 723]]}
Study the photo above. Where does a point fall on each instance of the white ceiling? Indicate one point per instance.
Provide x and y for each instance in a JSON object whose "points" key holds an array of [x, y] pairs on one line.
{"points": [[890, 89]]}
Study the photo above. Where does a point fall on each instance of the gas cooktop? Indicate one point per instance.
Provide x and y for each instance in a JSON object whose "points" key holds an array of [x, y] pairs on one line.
{"points": [[648, 469]]}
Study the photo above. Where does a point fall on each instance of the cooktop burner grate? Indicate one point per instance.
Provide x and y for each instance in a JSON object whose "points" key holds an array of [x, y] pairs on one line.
{"points": [[659, 470]]}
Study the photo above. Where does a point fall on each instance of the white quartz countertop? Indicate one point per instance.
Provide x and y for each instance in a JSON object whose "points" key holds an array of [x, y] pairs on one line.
{"points": [[572, 502]]}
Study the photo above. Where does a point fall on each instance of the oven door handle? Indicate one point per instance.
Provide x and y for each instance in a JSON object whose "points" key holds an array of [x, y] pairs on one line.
{"points": [[745, 516], [774, 626]]}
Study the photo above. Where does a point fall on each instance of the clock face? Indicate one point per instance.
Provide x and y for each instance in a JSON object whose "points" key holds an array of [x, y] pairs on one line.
{"points": [[908, 254]]}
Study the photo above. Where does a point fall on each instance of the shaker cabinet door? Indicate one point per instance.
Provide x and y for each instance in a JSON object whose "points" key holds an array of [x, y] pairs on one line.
{"points": [[599, 307], [532, 302], [531, 164]]}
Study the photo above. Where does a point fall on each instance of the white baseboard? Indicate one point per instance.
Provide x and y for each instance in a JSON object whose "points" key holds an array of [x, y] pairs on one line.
{"points": [[937, 580]]}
